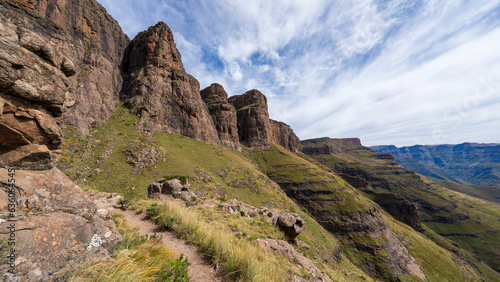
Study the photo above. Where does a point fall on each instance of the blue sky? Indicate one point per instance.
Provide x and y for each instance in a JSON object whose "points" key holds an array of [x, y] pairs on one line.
{"points": [[389, 72]]}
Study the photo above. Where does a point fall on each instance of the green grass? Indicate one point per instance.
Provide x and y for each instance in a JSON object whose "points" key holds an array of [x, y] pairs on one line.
{"points": [[232, 171], [290, 170], [488, 193], [467, 221], [140, 258]]}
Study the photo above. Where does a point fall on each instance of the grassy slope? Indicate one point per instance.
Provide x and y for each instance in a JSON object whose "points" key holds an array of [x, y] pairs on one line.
{"points": [[231, 171], [480, 233], [436, 262], [488, 193]]}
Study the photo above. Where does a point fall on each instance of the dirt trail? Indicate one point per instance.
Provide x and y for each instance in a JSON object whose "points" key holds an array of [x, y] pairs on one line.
{"points": [[199, 268]]}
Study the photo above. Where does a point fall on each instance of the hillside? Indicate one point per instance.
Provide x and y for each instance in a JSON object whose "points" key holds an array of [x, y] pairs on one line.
{"points": [[469, 222], [488, 193], [92, 122], [467, 163]]}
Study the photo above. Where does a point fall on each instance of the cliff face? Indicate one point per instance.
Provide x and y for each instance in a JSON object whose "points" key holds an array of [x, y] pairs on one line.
{"points": [[91, 39], [467, 163], [328, 145], [341, 210], [254, 128], [283, 135], [54, 219], [223, 115], [412, 199], [160, 92], [34, 87]]}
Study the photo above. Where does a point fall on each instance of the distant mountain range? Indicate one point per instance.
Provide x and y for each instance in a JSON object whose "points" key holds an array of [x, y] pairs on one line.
{"points": [[467, 163]]}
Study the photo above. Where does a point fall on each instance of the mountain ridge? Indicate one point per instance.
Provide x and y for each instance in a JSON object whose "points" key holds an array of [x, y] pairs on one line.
{"points": [[466, 163], [120, 125]]}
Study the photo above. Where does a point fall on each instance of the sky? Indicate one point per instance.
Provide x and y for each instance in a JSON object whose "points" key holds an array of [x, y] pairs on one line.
{"points": [[388, 72]]}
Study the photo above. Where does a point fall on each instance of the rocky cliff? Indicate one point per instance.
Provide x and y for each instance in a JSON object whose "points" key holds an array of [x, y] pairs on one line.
{"points": [[328, 145], [52, 220], [415, 200], [160, 92], [339, 209], [254, 127], [468, 163], [283, 135], [223, 115], [91, 39]]}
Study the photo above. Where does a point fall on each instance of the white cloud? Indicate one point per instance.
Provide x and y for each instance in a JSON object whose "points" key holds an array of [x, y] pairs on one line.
{"points": [[384, 71]]}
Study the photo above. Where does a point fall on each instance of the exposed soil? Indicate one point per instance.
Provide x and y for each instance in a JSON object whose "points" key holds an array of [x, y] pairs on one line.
{"points": [[199, 269]]}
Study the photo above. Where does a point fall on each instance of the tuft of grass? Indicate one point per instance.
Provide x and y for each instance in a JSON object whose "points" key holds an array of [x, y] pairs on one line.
{"points": [[240, 259], [140, 258]]}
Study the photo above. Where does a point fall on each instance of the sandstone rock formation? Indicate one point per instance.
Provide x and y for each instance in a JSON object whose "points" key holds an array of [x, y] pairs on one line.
{"points": [[254, 127], [33, 88], [166, 98], [223, 114], [93, 43], [326, 145], [54, 222], [283, 135]]}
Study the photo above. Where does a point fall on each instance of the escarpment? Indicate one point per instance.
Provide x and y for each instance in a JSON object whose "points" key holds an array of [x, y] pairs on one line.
{"points": [[223, 115], [283, 135], [53, 220], [254, 127], [91, 41], [160, 92]]}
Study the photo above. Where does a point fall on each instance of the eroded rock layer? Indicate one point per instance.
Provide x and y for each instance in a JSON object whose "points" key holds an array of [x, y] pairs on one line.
{"points": [[160, 92], [223, 114], [284, 136], [92, 44], [254, 127]]}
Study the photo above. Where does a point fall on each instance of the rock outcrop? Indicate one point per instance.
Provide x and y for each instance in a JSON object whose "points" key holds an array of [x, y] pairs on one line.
{"points": [[55, 222], [160, 92], [254, 127], [92, 43], [283, 248], [291, 224], [326, 145], [57, 227], [283, 135], [33, 89], [223, 115], [163, 189]]}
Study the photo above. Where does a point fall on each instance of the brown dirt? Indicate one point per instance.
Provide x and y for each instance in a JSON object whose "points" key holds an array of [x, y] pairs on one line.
{"points": [[199, 269]]}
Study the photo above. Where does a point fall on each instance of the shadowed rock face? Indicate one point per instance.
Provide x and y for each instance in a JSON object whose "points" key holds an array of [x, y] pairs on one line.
{"points": [[93, 43], [284, 136], [223, 115], [254, 127], [34, 87], [166, 98]]}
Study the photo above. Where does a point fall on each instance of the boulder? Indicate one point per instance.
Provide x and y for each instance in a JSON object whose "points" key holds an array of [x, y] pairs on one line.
{"points": [[171, 188], [291, 224], [55, 221]]}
